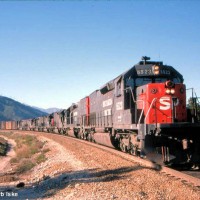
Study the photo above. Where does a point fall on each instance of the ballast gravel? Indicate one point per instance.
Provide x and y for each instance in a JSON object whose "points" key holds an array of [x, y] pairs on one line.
{"points": [[76, 171]]}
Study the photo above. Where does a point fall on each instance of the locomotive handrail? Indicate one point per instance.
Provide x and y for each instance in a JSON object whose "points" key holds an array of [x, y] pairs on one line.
{"points": [[70, 116], [130, 88], [141, 111], [148, 114]]}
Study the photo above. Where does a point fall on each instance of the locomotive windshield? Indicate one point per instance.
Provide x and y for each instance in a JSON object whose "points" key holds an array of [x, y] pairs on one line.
{"points": [[130, 82], [154, 72], [145, 73], [144, 81]]}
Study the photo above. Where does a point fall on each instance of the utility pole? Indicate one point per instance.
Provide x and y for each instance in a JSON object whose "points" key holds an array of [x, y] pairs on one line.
{"points": [[194, 105]]}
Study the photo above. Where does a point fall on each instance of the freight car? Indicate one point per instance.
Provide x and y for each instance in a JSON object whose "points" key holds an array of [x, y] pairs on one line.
{"points": [[8, 125], [142, 111]]}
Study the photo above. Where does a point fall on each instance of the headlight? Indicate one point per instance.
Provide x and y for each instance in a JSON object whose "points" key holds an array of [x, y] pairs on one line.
{"points": [[168, 91], [156, 69], [172, 91]]}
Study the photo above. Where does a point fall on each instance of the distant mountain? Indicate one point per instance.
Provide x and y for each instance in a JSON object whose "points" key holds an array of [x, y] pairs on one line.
{"points": [[14, 110], [52, 110], [48, 110]]}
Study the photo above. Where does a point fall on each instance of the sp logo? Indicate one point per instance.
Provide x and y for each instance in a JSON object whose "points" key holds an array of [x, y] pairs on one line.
{"points": [[165, 103]]}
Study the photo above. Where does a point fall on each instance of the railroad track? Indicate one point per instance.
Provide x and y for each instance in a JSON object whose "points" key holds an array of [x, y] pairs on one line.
{"points": [[184, 176]]}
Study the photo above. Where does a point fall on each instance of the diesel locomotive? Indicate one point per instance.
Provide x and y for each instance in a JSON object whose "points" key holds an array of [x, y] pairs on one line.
{"points": [[142, 111]]}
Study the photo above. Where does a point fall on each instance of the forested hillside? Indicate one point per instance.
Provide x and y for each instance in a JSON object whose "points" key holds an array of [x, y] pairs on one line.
{"points": [[14, 110]]}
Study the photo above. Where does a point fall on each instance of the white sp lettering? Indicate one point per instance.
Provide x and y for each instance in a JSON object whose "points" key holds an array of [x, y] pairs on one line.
{"points": [[165, 103]]}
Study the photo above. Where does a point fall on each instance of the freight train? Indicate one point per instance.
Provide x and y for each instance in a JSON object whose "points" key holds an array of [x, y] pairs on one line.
{"points": [[142, 111]]}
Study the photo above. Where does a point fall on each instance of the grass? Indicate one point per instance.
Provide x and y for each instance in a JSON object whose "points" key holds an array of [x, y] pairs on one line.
{"points": [[24, 166], [29, 152], [27, 146], [40, 158]]}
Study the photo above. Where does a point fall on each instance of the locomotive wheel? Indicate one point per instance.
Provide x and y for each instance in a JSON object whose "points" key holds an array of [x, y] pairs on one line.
{"points": [[123, 147], [65, 132], [86, 136], [134, 150], [89, 138]]}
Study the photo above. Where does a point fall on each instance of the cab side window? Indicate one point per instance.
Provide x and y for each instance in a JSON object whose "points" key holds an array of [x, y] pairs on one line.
{"points": [[119, 89], [129, 84]]}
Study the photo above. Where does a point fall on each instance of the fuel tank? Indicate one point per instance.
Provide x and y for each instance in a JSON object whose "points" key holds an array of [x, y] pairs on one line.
{"points": [[105, 139], [71, 133]]}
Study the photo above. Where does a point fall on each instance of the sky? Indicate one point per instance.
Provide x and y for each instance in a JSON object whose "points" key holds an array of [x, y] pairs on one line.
{"points": [[53, 53]]}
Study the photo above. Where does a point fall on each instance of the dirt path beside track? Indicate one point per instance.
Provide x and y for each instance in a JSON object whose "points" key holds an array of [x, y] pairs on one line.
{"points": [[4, 160]]}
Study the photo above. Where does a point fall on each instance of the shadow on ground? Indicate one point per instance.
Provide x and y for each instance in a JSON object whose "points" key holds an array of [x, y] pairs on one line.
{"points": [[49, 187]]}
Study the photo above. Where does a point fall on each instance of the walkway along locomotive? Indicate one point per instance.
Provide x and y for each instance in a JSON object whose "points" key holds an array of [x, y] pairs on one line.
{"points": [[142, 111]]}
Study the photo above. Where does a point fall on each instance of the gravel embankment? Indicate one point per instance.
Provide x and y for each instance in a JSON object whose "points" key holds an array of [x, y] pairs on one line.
{"points": [[77, 171]]}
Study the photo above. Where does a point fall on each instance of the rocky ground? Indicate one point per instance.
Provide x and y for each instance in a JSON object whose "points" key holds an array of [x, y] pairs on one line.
{"points": [[77, 171]]}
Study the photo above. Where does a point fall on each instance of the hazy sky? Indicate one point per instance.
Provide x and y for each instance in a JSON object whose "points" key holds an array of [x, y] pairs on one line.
{"points": [[53, 53]]}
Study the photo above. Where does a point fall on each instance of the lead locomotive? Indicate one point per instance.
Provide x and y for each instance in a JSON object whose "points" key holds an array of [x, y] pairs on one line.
{"points": [[142, 111]]}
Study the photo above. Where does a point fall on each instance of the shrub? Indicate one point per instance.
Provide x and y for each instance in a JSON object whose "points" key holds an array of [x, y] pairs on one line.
{"points": [[3, 146], [14, 160], [45, 150], [24, 166], [40, 158], [29, 152]]}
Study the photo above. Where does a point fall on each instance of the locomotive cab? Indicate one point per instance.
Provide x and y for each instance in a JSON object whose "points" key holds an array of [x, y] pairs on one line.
{"points": [[156, 97]]}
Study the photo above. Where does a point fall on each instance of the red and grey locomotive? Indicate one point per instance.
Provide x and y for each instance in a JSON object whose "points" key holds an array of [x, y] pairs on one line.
{"points": [[142, 111]]}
